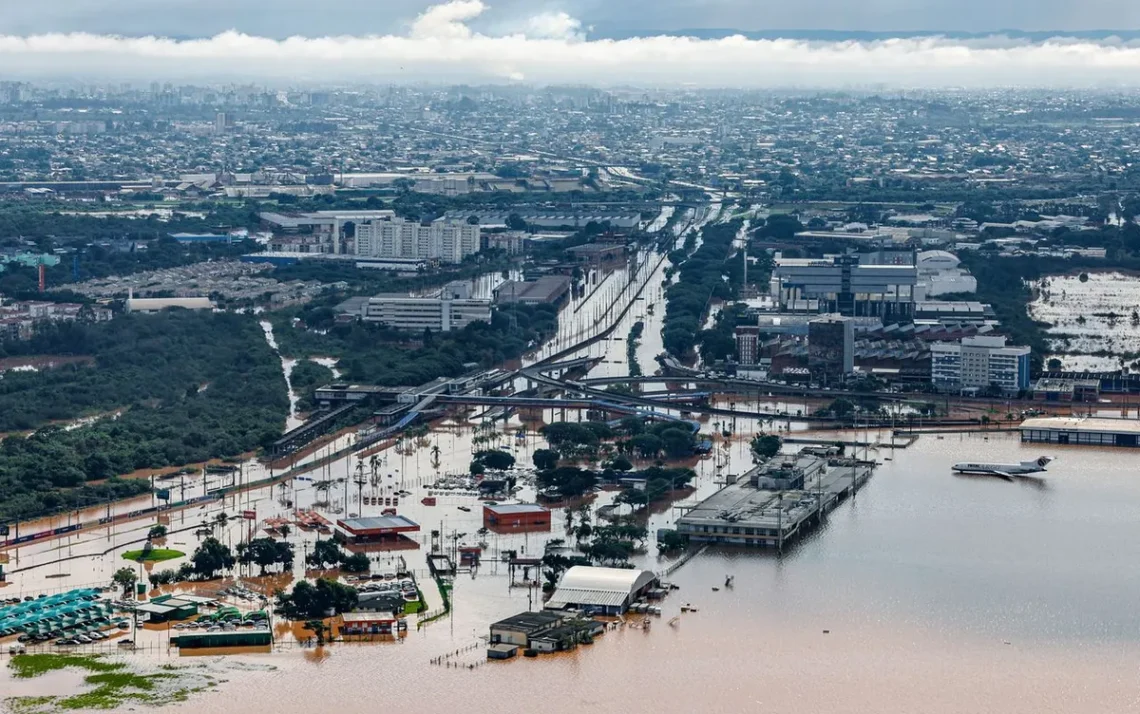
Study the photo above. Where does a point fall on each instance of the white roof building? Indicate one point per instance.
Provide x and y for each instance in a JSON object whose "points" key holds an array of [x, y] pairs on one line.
{"points": [[612, 590]]}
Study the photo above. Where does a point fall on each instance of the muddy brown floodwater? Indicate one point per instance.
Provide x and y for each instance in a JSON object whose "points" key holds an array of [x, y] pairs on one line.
{"points": [[938, 593]]}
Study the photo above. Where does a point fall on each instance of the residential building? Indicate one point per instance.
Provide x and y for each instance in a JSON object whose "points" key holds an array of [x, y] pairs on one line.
{"points": [[511, 242], [445, 241], [438, 314], [747, 344], [979, 362]]}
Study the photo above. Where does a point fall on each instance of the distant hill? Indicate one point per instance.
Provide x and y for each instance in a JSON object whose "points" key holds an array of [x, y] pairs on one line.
{"points": [[869, 35]]}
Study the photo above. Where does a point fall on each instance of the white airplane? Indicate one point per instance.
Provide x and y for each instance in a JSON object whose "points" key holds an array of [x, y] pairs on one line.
{"points": [[1023, 468]]}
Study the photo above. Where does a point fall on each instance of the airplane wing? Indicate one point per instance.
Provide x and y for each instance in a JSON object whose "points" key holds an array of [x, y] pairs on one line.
{"points": [[1003, 474]]}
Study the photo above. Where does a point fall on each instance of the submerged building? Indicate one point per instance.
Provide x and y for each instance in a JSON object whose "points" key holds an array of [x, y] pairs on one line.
{"points": [[606, 591]]}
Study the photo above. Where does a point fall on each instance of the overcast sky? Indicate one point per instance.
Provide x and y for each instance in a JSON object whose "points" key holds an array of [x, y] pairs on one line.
{"points": [[323, 41], [279, 18]]}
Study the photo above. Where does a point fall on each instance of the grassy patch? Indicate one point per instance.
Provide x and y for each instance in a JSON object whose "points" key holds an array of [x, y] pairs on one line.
{"points": [[33, 665], [156, 555], [111, 684]]}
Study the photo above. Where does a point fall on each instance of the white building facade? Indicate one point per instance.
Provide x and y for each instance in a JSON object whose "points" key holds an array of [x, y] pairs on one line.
{"points": [[414, 314], [445, 241], [979, 362]]}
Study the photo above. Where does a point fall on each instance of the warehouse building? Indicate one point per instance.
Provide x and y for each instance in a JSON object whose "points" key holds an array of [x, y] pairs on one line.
{"points": [[519, 629], [1093, 431], [607, 591]]}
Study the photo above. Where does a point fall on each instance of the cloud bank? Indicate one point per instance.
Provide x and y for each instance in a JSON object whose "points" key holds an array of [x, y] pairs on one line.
{"points": [[553, 47]]}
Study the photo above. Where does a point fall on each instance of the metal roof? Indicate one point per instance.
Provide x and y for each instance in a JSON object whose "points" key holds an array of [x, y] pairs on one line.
{"points": [[564, 597], [607, 587], [377, 523]]}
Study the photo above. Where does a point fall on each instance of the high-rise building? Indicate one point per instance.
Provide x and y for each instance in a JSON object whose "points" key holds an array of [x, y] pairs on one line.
{"points": [[831, 348], [747, 344], [445, 241], [979, 362], [221, 123]]}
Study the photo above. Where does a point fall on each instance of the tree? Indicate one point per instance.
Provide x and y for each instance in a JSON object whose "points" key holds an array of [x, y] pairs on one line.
{"points": [[647, 445], [156, 532], [634, 497], [495, 459], [671, 540], [126, 579], [766, 445], [545, 459], [477, 468], [326, 554], [631, 425], [677, 442], [266, 552], [309, 601], [356, 563], [1055, 365], [211, 557], [620, 463]]}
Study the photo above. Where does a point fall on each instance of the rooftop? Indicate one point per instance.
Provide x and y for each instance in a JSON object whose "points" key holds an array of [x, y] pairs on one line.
{"points": [[528, 621], [509, 508], [378, 523], [1086, 424]]}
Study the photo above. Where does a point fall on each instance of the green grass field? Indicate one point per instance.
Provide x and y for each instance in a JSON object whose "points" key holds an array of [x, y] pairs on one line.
{"points": [[156, 555]]}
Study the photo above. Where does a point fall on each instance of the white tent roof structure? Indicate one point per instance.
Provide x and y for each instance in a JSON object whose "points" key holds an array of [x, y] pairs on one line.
{"points": [[605, 587]]}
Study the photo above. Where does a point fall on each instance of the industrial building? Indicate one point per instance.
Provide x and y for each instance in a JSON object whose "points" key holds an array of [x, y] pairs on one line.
{"points": [[547, 290], [607, 591], [445, 241], [597, 254], [380, 529], [939, 274], [519, 629], [844, 285], [831, 348], [1092, 431], [516, 517], [979, 362], [415, 314]]}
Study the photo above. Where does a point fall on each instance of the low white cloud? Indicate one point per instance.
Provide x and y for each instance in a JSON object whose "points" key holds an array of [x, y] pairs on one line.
{"points": [[441, 46]]}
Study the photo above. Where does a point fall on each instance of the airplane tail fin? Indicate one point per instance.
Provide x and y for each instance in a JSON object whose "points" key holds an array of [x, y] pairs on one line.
{"points": [[1044, 461]]}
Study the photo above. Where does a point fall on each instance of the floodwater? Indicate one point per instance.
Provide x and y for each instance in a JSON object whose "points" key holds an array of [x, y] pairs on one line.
{"points": [[940, 593], [1091, 320], [293, 420]]}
